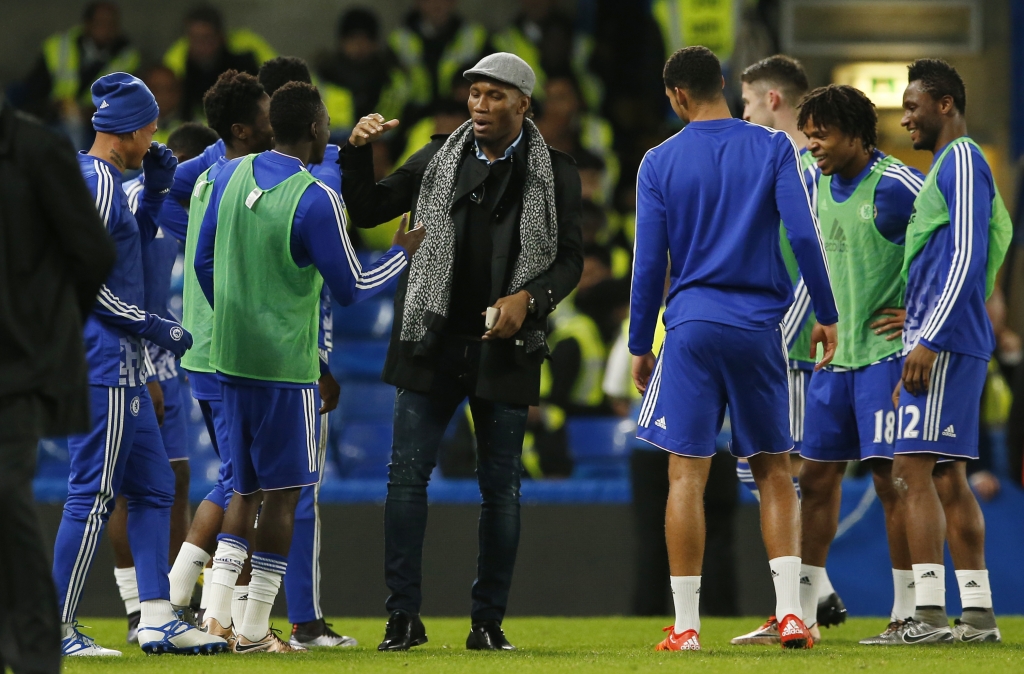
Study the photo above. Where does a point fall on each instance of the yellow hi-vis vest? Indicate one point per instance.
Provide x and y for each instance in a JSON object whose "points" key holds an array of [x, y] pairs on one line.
{"points": [[341, 104], [684, 23], [464, 50], [237, 41], [62, 57], [586, 390]]}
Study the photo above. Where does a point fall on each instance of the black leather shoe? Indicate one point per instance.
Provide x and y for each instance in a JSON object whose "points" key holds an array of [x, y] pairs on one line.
{"points": [[487, 636], [404, 631]]}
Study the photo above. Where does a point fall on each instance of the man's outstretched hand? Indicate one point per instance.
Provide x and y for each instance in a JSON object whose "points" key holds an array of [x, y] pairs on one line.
{"points": [[643, 366], [410, 239], [369, 129], [827, 336]]}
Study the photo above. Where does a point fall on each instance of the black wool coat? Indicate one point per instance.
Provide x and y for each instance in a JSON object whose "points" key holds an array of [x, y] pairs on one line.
{"points": [[54, 254], [506, 372]]}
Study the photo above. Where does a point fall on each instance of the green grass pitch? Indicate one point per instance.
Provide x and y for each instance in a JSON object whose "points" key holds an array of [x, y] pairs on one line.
{"points": [[580, 645]]}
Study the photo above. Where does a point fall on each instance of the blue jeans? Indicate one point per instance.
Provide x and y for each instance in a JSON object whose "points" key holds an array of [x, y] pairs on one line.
{"points": [[420, 423]]}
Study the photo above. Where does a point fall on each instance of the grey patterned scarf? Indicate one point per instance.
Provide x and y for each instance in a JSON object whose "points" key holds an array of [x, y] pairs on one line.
{"points": [[430, 274]]}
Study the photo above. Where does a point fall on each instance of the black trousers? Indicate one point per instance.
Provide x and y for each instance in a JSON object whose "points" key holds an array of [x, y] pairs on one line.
{"points": [[29, 624], [420, 423], [651, 592]]}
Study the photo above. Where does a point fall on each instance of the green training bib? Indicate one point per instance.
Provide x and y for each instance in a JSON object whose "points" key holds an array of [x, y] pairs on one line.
{"points": [[267, 308], [932, 212], [864, 268]]}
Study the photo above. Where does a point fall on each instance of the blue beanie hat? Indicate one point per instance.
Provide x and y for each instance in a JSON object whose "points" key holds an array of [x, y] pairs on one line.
{"points": [[123, 104]]}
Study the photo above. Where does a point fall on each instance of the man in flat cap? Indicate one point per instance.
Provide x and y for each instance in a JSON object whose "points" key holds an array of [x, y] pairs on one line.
{"points": [[503, 248]]}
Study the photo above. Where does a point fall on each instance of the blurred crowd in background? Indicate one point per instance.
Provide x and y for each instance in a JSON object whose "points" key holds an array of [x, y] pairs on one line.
{"points": [[599, 98]]}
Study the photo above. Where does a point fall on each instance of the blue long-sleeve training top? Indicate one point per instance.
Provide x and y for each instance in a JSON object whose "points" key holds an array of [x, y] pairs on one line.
{"points": [[174, 216], [894, 203], [114, 328], [711, 198], [946, 281], [158, 258], [318, 237]]}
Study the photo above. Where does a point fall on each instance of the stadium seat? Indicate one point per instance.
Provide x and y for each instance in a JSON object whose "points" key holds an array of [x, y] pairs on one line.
{"points": [[366, 401], [599, 446], [364, 450], [53, 460], [361, 359], [366, 320]]}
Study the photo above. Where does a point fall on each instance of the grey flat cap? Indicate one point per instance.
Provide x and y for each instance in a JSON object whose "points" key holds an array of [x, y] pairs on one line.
{"points": [[507, 68]]}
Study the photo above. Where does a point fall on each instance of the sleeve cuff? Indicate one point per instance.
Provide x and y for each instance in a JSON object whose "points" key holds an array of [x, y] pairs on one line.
{"points": [[399, 249], [930, 345], [352, 157], [544, 298]]}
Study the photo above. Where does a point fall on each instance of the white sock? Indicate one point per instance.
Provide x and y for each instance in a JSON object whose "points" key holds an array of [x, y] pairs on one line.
{"points": [[157, 612], [825, 589], [239, 598], [207, 577], [786, 575], [686, 597], [929, 585], [185, 572], [810, 590], [975, 591], [904, 599], [128, 586], [227, 564], [263, 588]]}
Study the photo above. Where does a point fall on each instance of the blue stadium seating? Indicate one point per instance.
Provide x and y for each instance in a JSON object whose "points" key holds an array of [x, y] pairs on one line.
{"points": [[366, 401], [364, 450], [599, 446], [366, 320], [358, 360]]}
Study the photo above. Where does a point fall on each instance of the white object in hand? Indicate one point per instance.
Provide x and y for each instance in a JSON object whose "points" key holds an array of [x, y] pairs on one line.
{"points": [[491, 319]]}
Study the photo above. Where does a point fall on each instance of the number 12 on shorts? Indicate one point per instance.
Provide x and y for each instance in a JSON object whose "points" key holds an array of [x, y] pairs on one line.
{"points": [[905, 429]]}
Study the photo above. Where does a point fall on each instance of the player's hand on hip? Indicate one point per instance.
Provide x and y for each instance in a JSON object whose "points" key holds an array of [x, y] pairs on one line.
{"points": [[828, 337], [891, 320], [409, 238], [511, 314], [369, 129], [158, 166], [329, 392], [917, 369], [643, 366]]}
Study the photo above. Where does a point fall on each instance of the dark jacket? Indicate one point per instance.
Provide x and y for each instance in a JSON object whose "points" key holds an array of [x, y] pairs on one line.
{"points": [[506, 372], [54, 254]]}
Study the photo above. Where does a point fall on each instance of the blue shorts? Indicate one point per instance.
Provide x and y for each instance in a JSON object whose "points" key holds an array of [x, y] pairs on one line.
{"points": [[204, 385], [175, 427], [850, 415], [944, 421], [705, 367], [272, 433], [217, 428], [799, 379]]}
